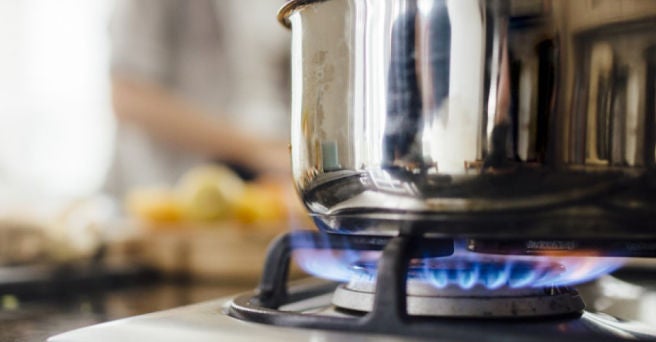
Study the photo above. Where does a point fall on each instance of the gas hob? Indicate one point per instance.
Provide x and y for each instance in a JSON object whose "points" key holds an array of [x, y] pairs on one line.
{"points": [[388, 300], [210, 321]]}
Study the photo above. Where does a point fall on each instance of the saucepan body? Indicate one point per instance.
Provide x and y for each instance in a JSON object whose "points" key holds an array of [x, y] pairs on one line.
{"points": [[483, 118]]}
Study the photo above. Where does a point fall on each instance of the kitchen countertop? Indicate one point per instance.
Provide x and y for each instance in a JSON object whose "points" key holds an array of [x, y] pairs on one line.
{"points": [[38, 318]]}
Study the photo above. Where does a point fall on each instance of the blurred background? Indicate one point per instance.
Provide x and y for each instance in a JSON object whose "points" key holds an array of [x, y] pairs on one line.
{"points": [[143, 156], [54, 100]]}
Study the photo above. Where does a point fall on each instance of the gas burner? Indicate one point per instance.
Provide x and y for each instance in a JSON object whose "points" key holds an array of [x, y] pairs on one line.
{"points": [[393, 295], [466, 289]]}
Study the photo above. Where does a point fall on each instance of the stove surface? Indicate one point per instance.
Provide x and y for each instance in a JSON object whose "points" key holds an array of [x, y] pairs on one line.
{"points": [[209, 321], [202, 322]]}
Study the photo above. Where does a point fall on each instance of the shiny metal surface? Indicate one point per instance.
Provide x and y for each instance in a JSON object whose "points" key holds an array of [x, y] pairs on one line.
{"points": [[476, 117], [426, 300], [208, 322]]}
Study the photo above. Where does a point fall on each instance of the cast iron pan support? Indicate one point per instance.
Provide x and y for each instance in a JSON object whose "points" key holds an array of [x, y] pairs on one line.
{"points": [[389, 311], [272, 291]]}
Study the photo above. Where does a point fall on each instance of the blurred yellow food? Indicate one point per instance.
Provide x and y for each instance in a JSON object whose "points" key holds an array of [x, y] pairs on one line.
{"points": [[154, 205], [261, 203], [213, 194], [209, 193]]}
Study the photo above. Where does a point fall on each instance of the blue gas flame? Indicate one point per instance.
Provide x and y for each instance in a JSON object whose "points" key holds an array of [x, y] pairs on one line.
{"points": [[514, 272], [336, 265], [464, 269]]}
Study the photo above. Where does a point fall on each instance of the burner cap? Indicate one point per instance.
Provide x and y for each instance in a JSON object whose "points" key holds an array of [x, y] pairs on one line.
{"points": [[456, 295]]}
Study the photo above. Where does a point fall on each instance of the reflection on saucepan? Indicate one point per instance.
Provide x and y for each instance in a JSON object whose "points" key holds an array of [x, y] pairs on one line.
{"points": [[431, 111]]}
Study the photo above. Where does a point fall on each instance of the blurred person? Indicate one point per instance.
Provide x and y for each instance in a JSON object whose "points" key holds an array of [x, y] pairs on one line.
{"points": [[197, 81]]}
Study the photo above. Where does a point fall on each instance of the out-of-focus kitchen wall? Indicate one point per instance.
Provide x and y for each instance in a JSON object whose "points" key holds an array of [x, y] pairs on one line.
{"points": [[102, 104], [56, 122], [56, 126]]}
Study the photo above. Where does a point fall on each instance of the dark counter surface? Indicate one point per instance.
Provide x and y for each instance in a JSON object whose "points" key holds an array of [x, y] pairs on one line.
{"points": [[37, 318]]}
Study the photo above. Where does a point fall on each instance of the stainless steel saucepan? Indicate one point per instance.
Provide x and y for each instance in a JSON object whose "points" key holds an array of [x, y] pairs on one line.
{"points": [[476, 118]]}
